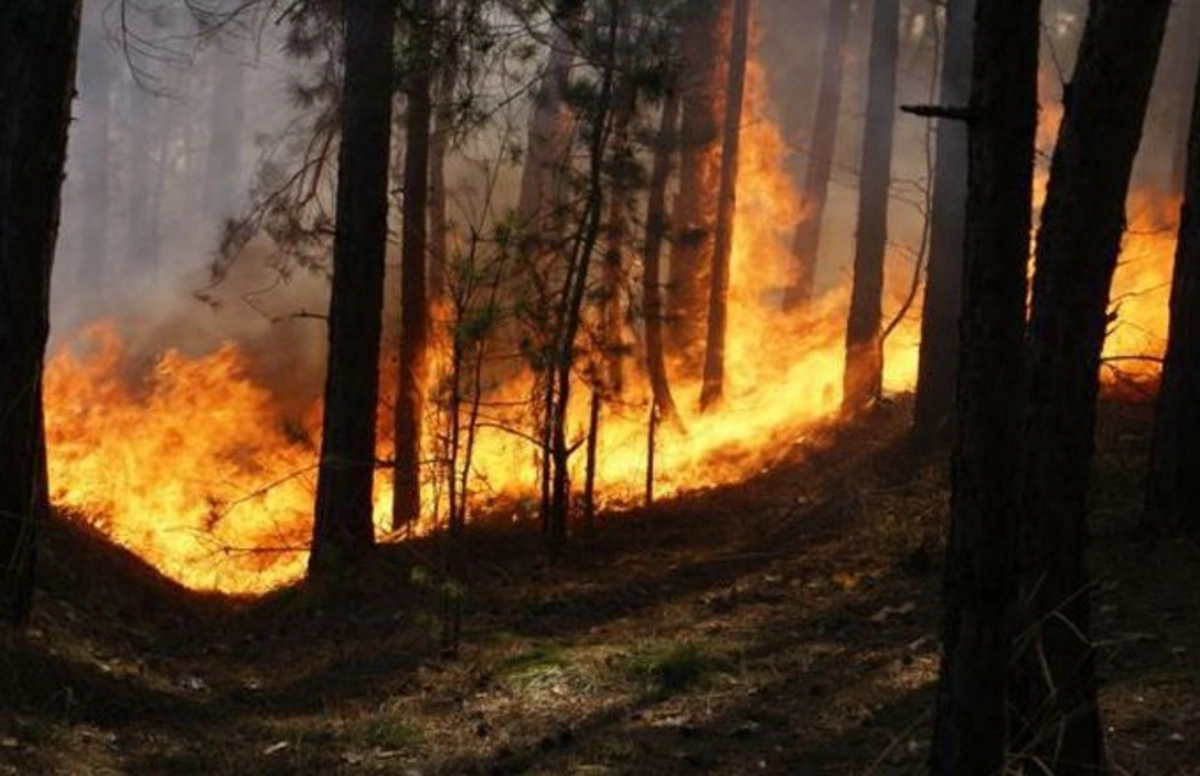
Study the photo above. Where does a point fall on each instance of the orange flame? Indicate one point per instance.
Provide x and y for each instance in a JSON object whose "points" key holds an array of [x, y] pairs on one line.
{"points": [[195, 468]]}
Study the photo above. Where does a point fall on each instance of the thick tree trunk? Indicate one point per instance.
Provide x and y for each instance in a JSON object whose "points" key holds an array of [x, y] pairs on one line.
{"points": [[718, 295], [863, 380], [656, 230], [934, 406], [38, 41], [343, 530], [1173, 492], [414, 307], [969, 735], [1080, 237], [807, 243], [705, 67]]}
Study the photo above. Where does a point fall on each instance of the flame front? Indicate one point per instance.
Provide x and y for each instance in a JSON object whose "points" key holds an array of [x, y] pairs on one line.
{"points": [[195, 467]]}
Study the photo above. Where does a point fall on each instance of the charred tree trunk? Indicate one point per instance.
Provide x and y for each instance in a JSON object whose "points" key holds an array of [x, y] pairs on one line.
{"points": [[414, 309], [656, 230], [863, 379], [705, 51], [970, 730], [1173, 493], [938, 363], [343, 530], [718, 295], [38, 41], [1054, 694], [807, 243]]}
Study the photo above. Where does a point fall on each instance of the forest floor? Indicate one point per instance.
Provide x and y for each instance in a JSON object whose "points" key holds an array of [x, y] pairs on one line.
{"points": [[787, 625]]}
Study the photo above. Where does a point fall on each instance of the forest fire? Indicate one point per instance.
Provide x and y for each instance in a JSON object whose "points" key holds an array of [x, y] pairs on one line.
{"points": [[196, 468]]}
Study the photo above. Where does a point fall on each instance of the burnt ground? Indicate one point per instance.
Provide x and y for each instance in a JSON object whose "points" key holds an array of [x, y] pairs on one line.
{"points": [[787, 625]]}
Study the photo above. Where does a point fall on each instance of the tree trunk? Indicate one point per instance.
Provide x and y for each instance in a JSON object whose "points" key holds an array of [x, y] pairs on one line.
{"points": [[656, 229], [38, 42], [863, 380], [1080, 237], [343, 530], [934, 405], [705, 51], [414, 309], [718, 296], [807, 243], [1173, 493], [969, 735]]}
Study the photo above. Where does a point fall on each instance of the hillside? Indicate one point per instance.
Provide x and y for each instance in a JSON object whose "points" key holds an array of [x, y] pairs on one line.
{"points": [[787, 625]]}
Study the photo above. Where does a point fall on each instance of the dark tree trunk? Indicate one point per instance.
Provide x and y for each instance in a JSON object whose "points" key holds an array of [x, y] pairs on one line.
{"points": [[1173, 492], [343, 530], [1080, 237], [807, 243], [934, 406], [969, 735], [622, 181], [705, 48], [414, 309], [1181, 70], [863, 380], [38, 41], [656, 230], [718, 295]]}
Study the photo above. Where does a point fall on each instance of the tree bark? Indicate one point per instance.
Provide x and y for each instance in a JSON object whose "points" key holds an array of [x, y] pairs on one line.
{"points": [[439, 146], [807, 243], [863, 379], [343, 530], [718, 295], [1080, 237], [969, 734], [38, 45], [934, 404], [656, 229], [414, 307], [705, 67], [1173, 492]]}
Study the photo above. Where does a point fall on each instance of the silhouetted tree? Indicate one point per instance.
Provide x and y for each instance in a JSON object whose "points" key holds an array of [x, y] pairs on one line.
{"points": [[970, 731], [718, 295], [38, 44], [656, 230], [414, 310], [807, 243], [1083, 219], [934, 404], [1173, 493], [705, 48], [864, 352], [343, 529]]}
